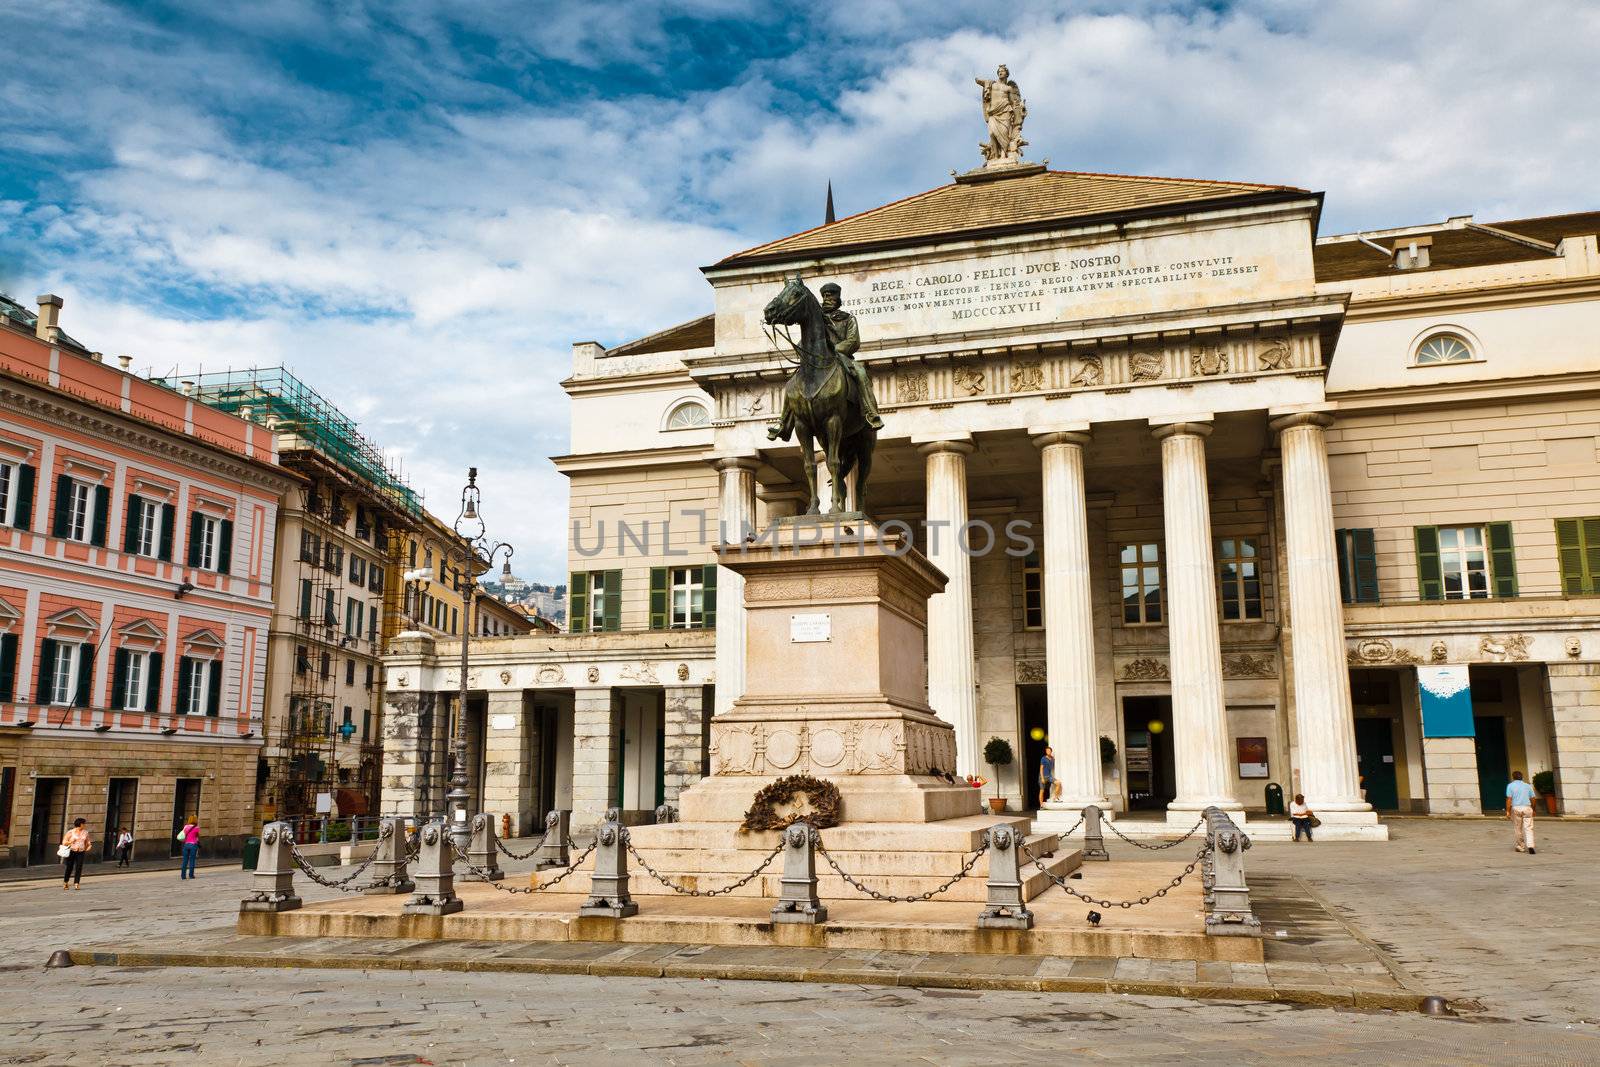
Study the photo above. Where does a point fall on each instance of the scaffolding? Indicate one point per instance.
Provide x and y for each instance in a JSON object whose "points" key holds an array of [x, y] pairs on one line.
{"points": [[277, 399]]}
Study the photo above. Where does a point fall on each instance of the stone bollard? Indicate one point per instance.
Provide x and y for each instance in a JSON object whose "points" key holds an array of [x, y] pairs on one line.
{"points": [[389, 875], [272, 884], [436, 887], [1006, 909], [553, 848], [608, 885], [1094, 837], [1229, 912], [798, 902], [481, 851]]}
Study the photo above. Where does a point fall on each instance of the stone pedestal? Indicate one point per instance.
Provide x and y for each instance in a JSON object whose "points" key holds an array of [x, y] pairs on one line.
{"points": [[835, 680]]}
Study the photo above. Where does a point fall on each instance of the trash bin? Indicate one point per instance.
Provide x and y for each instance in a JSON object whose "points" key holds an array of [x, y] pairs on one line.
{"points": [[1275, 799], [252, 852]]}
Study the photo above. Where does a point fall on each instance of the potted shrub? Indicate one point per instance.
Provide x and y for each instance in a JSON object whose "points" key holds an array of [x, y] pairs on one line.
{"points": [[997, 753], [1108, 751], [1544, 783]]}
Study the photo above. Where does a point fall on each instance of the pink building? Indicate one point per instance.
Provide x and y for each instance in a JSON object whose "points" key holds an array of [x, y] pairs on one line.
{"points": [[136, 553]]}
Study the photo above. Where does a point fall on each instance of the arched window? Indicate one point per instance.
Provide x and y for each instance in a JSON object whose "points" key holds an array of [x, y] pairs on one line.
{"points": [[687, 416], [1444, 348]]}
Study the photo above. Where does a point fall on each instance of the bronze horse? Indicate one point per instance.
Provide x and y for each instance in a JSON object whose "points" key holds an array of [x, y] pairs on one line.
{"points": [[821, 401]]}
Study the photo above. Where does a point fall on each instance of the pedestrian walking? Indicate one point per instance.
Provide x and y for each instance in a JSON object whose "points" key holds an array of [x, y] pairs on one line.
{"points": [[74, 846], [1519, 809], [124, 846], [1303, 817], [190, 836], [1048, 786]]}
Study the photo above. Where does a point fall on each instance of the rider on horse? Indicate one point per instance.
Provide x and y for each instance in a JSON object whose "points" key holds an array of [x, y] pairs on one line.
{"points": [[846, 340]]}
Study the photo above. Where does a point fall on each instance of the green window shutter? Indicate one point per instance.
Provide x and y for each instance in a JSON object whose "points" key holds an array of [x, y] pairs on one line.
{"points": [[102, 515], [58, 527], [195, 518], [225, 548], [152, 699], [578, 602], [658, 598], [1589, 529], [1502, 560], [82, 697], [305, 599], [710, 581], [1569, 551], [613, 608], [8, 667], [185, 681], [169, 517], [214, 693], [25, 476], [130, 524], [1340, 537], [47, 668], [1364, 566], [119, 680], [1430, 579]]}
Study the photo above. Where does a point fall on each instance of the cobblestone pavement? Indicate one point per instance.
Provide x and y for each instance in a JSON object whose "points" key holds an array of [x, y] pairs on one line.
{"points": [[1448, 899]]}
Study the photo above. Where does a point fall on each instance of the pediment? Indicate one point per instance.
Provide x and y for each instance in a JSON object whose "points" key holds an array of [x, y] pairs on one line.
{"points": [[141, 631], [8, 614], [74, 622], [203, 641]]}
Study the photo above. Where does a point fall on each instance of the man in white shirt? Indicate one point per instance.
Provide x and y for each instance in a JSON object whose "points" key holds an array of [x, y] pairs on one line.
{"points": [[1519, 809]]}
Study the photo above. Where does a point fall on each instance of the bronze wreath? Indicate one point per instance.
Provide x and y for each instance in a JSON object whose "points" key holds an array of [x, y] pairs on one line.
{"points": [[824, 797]]}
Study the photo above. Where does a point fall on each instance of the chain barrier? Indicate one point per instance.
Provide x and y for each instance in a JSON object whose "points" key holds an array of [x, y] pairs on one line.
{"points": [[341, 884], [1205, 850], [719, 891], [1108, 824], [528, 855], [966, 869], [1074, 829], [485, 874]]}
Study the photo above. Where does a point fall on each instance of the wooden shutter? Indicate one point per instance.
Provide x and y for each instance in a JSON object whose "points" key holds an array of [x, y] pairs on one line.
{"points": [[81, 697], [709, 579], [102, 516], [47, 667], [1430, 579], [24, 514], [8, 667], [130, 524], [185, 680], [577, 601], [305, 599], [169, 519], [658, 598], [152, 698], [1569, 552], [1364, 566], [1589, 530], [58, 526], [119, 680], [1502, 560], [195, 519], [225, 547], [1342, 554], [214, 693], [613, 608]]}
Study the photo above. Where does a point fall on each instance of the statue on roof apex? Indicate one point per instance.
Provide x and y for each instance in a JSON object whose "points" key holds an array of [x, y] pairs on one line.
{"points": [[1004, 111]]}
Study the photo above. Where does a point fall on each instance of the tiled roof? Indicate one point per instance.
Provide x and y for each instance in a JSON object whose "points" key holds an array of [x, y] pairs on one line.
{"points": [[696, 333], [1012, 203], [1454, 246]]}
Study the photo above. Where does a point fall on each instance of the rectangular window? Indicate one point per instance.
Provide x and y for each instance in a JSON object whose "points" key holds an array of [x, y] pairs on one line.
{"points": [[1032, 593], [1358, 566], [375, 577], [455, 620], [1141, 583], [330, 611], [358, 570], [64, 674], [1578, 550], [349, 672], [198, 698], [135, 673], [1239, 578], [305, 599], [16, 495], [8, 492], [80, 511], [148, 541], [310, 547], [325, 668], [366, 724], [596, 602], [206, 538], [1466, 562], [598, 592], [688, 598], [302, 660], [368, 683], [352, 617]]}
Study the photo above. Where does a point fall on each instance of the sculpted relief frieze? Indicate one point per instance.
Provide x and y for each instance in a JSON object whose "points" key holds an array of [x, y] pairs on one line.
{"points": [[802, 747]]}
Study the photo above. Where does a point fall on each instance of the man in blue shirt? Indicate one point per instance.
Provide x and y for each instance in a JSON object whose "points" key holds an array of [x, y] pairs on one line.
{"points": [[1047, 777], [1519, 809]]}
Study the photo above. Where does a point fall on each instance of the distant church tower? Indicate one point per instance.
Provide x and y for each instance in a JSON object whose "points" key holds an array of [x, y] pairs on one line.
{"points": [[828, 214]]}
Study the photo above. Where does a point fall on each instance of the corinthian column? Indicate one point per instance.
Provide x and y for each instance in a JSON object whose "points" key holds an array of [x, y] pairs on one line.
{"points": [[950, 675], [1069, 624], [736, 510], [1199, 721], [1327, 743]]}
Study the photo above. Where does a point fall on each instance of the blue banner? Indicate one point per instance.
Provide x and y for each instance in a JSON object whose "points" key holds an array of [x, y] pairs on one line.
{"points": [[1446, 701]]}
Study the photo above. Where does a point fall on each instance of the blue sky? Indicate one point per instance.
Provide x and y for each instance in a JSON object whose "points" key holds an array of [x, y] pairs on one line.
{"points": [[418, 206]]}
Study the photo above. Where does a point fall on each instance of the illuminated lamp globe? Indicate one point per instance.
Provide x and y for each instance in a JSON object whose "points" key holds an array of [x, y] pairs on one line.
{"points": [[1037, 733], [1155, 726]]}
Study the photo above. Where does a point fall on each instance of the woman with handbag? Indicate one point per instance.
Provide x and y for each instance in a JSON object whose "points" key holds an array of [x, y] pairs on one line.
{"points": [[190, 837], [1304, 818], [74, 846]]}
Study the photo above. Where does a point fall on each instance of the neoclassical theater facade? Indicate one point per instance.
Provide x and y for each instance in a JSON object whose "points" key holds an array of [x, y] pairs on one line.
{"points": [[1211, 493]]}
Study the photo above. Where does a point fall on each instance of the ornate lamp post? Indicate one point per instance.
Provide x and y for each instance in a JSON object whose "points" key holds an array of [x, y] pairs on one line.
{"points": [[469, 525]]}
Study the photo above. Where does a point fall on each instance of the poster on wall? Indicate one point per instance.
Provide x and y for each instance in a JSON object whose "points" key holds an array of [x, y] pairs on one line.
{"points": [[1446, 698], [1252, 757]]}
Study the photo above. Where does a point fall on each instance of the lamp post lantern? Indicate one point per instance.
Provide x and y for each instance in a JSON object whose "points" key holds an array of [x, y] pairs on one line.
{"points": [[479, 559]]}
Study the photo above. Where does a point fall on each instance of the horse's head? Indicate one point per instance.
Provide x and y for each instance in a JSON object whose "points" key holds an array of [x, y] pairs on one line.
{"points": [[787, 307]]}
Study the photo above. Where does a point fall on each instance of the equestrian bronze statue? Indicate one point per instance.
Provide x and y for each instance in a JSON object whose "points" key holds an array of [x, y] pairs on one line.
{"points": [[827, 398]]}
